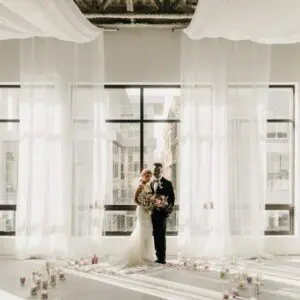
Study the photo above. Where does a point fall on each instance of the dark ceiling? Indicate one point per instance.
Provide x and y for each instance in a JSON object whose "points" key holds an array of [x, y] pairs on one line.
{"points": [[138, 13]]}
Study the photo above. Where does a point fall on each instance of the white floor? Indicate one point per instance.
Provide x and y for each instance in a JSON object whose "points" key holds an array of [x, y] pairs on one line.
{"points": [[281, 281], [74, 288], [8, 296]]}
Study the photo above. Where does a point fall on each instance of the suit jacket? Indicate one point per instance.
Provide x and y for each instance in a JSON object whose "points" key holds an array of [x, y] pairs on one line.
{"points": [[165, 188]]}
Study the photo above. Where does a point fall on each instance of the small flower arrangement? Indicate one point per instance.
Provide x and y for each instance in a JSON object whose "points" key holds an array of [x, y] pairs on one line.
{"points": [[225, 295], [242, 284], [234, 292]]}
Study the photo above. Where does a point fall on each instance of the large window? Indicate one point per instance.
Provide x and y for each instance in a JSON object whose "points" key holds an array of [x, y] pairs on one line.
{"points": [[280, 161], [9, 153], [144, 124], [146, 120]]}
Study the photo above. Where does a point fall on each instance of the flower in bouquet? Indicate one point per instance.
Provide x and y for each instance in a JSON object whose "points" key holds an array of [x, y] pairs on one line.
{"points": [[146, 201], [160, 202]]}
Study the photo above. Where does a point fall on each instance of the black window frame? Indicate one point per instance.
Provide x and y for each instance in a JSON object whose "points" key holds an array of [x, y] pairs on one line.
{"points": [[9, 207], [142, 121], [289, 207], [268, 207]]}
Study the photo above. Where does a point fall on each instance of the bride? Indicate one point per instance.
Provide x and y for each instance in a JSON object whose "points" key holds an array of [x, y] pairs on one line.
{"points": [[140, 251]]}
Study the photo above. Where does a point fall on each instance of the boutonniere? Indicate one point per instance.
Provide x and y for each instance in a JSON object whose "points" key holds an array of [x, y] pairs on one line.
{"points": [[159, 184]]}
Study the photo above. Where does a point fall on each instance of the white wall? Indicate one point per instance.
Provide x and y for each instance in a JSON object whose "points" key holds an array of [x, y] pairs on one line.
{"points": [[130, 56], [9, 61], [153, 56], [149, 56], [142, 56]]}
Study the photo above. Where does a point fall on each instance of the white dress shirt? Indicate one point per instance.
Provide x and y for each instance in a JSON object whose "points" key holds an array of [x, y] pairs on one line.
{"points": [[156, 183]]}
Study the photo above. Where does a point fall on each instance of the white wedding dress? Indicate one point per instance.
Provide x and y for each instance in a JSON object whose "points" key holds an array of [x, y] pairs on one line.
{"points": [[140, 249]]}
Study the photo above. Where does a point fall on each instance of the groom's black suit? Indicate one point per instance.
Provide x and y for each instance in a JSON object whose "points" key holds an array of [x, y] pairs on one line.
{"points": [[159, 217]]}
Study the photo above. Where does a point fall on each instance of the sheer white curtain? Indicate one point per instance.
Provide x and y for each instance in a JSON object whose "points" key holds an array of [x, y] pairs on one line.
{"points": [[268, 21], [61, 19], [222, 195], [62, 109]]}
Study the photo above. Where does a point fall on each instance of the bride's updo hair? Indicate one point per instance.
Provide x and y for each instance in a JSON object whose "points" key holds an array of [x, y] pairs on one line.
{"points": [[144, 172]]}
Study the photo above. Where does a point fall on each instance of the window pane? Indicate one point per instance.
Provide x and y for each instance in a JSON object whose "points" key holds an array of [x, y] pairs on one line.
{"points": [[9, 103], [172, 222], [161, 103], [125, 162], [84, 110], [120, 221], [161, 144], [11, 152], [82, 171], [277, 220], [9, 157], [280, 104], [7, 221], [123, 103], [280, 100], [280, 163]]}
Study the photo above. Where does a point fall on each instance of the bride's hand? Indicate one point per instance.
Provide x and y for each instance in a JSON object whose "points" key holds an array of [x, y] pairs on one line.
{"points": [[137, 193]]}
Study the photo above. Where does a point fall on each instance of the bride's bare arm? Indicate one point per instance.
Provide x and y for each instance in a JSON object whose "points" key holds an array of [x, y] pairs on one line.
{"points": [[137, 193]]}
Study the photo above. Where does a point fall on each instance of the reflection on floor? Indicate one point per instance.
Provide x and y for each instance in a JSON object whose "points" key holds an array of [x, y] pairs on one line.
{"points": [[281, 281]]}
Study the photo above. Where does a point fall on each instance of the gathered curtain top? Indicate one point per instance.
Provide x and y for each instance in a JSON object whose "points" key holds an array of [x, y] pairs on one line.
{"points": [[60, 19], [265, 22]]}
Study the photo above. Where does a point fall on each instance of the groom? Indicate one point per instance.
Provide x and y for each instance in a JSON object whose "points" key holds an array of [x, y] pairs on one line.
{"points": [[161, 186]]}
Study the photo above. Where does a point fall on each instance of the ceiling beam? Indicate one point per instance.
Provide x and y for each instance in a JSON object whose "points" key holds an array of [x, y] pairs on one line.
{"points": [[140, 16], [117, 27]]}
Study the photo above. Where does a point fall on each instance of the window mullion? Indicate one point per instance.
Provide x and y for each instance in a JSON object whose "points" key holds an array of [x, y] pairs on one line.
{"points": [[142, 129]]}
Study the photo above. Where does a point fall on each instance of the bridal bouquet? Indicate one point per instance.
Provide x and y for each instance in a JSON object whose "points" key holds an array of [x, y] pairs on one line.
{"points": [[147, 201], [150, 202], [160, 202]]}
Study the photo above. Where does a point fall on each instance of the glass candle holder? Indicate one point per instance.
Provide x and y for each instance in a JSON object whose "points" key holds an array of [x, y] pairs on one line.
{"points": [[44, 294], [53, 279], [22, 281]]}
